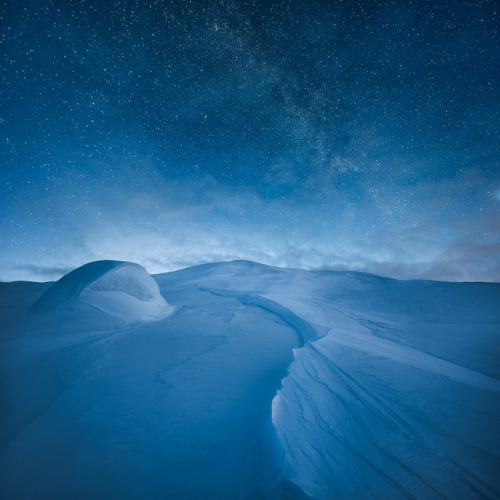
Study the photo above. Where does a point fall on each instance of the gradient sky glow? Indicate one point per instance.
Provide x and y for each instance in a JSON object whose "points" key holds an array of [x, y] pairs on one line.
{"points": [[357, 135]]}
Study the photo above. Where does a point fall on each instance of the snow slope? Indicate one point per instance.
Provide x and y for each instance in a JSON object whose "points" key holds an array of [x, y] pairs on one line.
{"points": [[252, 382]]}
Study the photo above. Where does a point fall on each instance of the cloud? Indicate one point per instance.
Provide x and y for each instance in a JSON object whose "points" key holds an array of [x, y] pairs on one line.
{"points": [[41, 272], [390, 227]]}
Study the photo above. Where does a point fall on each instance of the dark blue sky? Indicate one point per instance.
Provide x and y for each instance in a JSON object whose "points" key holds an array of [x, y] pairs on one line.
{"points": [[355, 135]]}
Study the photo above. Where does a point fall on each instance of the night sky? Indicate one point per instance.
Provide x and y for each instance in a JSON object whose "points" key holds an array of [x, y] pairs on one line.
{"points": [[358, 135]]}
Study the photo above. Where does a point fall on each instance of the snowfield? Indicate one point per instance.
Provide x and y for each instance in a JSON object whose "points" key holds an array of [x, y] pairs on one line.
{"points": [[239, 380]]}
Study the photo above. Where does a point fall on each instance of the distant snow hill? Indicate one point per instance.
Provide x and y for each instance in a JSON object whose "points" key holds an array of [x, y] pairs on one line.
{"points": [[239, 380]]}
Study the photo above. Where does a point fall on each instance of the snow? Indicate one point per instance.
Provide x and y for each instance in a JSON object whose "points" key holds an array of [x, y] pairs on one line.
{"points": [[121, 289], [238, 380]]}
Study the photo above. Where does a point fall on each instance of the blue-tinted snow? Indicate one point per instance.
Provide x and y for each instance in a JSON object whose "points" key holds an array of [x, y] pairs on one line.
{"points": [[260, 383], [121, 289]]}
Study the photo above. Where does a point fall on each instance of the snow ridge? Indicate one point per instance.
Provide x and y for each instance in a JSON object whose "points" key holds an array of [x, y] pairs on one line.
{"points": [[372, 442], [305, 330]]}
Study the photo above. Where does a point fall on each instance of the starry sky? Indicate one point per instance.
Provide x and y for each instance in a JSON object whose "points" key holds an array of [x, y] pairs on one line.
{"points": [[335, 134]]}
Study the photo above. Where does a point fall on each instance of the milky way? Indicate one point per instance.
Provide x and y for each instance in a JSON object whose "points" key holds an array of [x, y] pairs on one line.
{"points": [[354, 135]]}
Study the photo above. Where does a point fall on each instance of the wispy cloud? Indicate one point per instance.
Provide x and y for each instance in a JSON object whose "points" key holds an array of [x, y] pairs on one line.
{"points": [[40, 272], [403, 232]]}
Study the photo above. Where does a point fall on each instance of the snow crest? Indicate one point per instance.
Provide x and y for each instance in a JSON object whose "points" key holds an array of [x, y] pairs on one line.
{"points": [[363, 413], [121, 289]]}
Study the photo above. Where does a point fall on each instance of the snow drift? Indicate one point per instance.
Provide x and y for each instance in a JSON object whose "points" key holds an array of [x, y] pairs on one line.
{"points": [[121, 289], [267, 383]]}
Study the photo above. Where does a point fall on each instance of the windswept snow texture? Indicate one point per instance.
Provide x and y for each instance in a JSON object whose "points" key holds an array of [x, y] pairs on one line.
{"points": [[121, 289], [254, 382]]}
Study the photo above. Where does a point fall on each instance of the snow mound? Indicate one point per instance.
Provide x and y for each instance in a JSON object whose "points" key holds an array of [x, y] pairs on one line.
{"points": [[120, 289]]}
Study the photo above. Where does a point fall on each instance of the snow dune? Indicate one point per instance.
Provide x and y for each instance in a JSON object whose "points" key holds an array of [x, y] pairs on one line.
{"points": [[121, 289], [238, 380]]}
